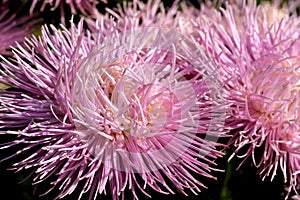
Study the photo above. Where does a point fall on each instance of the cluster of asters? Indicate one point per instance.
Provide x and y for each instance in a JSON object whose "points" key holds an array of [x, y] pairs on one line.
{"points": [[146, 99]]}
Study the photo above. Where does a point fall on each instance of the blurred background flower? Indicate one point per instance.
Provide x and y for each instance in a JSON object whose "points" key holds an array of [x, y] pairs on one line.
{"points": [[13, 27]]}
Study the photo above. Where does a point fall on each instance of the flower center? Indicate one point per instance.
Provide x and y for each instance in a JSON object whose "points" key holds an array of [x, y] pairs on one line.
{"points": [[145, 108], [152, 108], [275, 98], [110, 76], [276, 87]]}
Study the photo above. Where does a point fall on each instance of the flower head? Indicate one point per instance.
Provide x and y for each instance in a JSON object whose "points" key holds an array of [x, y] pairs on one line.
{"points": [[259, 63], [113, 109]]}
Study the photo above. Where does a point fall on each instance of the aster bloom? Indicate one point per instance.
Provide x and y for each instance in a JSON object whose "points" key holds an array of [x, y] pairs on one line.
{"points": [[259, 59], [133, 109], [12, 29]]}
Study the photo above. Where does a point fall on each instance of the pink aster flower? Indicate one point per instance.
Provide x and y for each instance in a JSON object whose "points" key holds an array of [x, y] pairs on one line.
{"points": [[12, 28], [259, 63], [113, 110]]}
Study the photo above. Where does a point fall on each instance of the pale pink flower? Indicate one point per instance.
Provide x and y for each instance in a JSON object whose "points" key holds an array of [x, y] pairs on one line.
{"points": [[120, 108], [257, 50]]}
